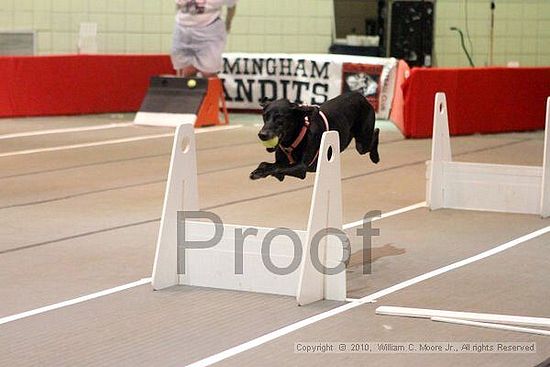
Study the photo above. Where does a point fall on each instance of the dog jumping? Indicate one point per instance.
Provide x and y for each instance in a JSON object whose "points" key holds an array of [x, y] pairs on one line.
{"points": [[294, 133]]}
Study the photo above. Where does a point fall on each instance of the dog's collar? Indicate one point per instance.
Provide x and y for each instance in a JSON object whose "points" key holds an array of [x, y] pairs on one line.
{"points": [[288, 150]]}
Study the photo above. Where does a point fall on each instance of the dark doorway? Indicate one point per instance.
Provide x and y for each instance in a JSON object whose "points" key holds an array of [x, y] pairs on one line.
{"points": [[404, 28]]}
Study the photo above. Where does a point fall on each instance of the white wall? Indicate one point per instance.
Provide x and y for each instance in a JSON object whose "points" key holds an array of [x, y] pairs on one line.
{"points": [[522, 31], [145, 26], [282, 26]]}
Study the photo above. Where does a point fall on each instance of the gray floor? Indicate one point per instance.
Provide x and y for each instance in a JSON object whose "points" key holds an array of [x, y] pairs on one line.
{"points": [[77, 221]]}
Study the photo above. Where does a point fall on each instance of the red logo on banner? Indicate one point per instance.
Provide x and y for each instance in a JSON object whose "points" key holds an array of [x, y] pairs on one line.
{"points": [[363, 78]]}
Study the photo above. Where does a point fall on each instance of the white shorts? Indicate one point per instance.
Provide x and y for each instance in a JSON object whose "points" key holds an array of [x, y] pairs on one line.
{"points": [[200, 47]]}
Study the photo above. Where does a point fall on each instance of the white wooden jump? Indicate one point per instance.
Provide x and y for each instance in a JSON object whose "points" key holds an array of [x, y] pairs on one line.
{"points": [[478, 186], [215, 266]]}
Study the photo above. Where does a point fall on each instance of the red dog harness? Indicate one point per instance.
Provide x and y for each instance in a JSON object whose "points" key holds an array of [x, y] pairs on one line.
{"points": [[300, 137]]}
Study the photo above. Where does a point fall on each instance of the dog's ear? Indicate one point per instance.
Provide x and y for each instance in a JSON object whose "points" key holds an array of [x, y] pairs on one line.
{"points": [[264, 102]]}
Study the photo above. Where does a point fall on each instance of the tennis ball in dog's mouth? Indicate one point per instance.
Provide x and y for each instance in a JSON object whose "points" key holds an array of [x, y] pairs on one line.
{"points": [[271, 143], [191, 83]]}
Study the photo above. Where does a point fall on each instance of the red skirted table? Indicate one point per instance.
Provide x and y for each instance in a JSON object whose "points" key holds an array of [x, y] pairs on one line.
{"points": [[480, 100], [76, 84]]}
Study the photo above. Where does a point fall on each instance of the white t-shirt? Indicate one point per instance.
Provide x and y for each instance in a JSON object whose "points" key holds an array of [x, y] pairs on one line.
{"points": [[200, 13]]}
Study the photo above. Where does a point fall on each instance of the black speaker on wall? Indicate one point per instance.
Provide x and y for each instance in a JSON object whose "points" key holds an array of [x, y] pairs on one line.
{"points": [[381, 25], [412, 32]]}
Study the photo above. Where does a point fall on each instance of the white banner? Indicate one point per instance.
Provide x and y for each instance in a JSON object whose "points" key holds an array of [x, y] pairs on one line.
{"points": [[307, 78]]}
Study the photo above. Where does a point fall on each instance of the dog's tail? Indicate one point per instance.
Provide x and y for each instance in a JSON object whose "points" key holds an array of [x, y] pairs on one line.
{"points": [[373, 151]]}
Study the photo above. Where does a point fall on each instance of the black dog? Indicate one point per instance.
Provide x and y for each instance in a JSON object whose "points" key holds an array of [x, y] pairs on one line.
{"points": [[299, 130]]}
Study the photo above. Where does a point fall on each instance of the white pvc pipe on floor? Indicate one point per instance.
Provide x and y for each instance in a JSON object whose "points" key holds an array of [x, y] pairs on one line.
{"points": [[469, 316], [491, 326]]}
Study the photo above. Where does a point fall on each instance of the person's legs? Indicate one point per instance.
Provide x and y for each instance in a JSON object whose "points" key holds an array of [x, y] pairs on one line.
{"points": [[209, 43], [183, 54], [190, 71], [198, 50], [187, 71]]}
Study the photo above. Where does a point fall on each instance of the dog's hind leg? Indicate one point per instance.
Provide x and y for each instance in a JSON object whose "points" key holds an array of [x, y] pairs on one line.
{"points": [[373, 151], [279, 176], [366, 136]]}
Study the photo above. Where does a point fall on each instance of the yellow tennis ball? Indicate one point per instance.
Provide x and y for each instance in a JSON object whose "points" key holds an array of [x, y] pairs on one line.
{"points": [[191, 83], [271, 143]]}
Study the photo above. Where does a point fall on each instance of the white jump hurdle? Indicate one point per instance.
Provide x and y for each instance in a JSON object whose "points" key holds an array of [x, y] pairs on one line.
{"points": [[215, 267], [489, 187]]}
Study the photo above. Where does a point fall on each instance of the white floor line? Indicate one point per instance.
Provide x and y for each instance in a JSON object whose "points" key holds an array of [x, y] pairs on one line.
{"points": [[461, 263], [5, 320], [386, 215], [113, 141], [303, 323], [85, 145], [102, 293], [367, 299], [65, 130], [202, 130]]}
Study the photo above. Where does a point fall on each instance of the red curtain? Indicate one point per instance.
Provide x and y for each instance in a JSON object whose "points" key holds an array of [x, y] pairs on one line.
{"points": [[480, 100], [76, 84]]}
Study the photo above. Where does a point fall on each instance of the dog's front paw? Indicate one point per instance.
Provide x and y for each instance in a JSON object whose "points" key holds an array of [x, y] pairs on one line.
{"points": [[257, 174], [254, 175]]}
